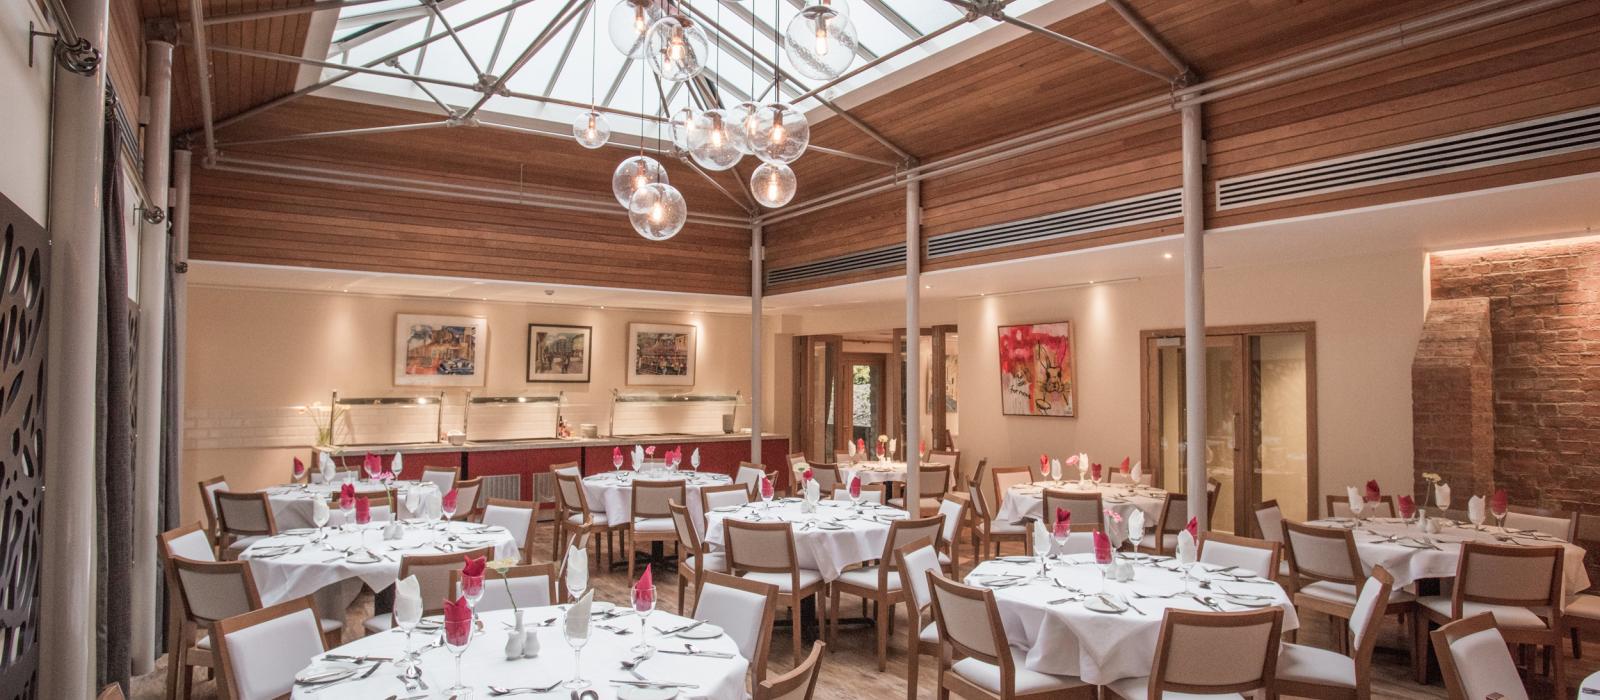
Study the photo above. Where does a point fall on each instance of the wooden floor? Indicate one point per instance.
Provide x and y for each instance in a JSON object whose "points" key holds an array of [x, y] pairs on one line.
{"points": [[850, 671]]}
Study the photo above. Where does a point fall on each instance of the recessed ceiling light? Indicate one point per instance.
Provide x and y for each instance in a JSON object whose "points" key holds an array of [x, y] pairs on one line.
{"points": [[1167, 256]]}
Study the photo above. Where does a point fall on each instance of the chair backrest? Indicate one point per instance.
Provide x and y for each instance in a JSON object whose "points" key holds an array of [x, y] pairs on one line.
{"points": [[979, 504], [244, 514], [908, 530], [650, 498], [749, 476], [869, 494], [744, 610], [525, 586], [520, 517], [1556, 523], [468, 493], [1079, 541], [1475, 661], [798, 683], [914, 561], [688, 532], [1269, 521], [933, 481], [1259, 557], [572, 468], [214, 590], [1505, 574], [827, 476], [952, 510], [377, 505], [189, 541], [433, 574], [443, 477], [1215, 653], [949, 458], [761, 547], [1084, 507], [1174, 514], [1339, 507], [1364, 619], [569, 494], [1321, 553], [723, 496], [1213, 494], [208, 500], [111, 692], [261, 651], [1006, 477], [969, 621]]}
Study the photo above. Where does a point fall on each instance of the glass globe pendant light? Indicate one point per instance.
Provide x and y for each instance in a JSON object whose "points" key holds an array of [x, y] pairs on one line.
{"points": [[677, 48], [773, 184], [633, 174], [658, 211], [781, 133], [711, 142], [629, 24], [744, 119], [681, 124], [820, 42], [591, 130]]}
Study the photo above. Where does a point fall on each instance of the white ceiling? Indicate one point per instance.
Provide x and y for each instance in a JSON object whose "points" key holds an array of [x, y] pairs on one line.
{"points": [[1550, 209]]}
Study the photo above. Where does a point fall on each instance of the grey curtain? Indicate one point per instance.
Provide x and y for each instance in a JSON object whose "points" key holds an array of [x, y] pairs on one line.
{"points": [[114, 429], [171, 451]]}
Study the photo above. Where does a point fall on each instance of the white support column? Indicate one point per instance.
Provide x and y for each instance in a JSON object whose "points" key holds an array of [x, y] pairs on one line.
{"points": [[181, 160], [913, 393], [757, 253], [67, 570], [152, 355], [1194, 312]]}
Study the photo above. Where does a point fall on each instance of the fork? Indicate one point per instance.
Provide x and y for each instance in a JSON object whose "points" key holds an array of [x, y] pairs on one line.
{"points": [[498, 691]]}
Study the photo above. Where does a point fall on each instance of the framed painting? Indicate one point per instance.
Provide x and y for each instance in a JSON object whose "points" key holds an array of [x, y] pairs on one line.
{"points": [[440, 350], [661, 354], [558, 353], [1038, 375]]}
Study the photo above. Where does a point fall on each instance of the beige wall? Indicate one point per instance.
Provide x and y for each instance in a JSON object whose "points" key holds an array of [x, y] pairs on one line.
{"points": [[259, 352]]}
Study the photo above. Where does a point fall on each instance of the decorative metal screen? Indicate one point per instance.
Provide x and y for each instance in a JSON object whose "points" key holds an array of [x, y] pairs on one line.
{"points": [[24, 268]]}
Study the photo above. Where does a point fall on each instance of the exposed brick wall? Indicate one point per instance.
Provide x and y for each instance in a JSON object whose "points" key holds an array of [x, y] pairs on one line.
{"points": [[1452, 405]]}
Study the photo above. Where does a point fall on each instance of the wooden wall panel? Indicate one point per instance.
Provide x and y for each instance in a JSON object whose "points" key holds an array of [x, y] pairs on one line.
{"points": [[238, 83]]}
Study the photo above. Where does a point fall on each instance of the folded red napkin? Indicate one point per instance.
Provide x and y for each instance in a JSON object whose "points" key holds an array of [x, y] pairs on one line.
{"points": [[766, 487], [372, 464], [1063, 522], [1407, 506], [644, 592], [861, 446], [806, 474], [473, 566], [1126, 466], [1499, 502], [1095, 470], [650, 451], [347, 496], [449, 500], [1194, 529], [855, 487], [363, 511], [1072, 461], [1044, 464], [457, 622], [1102, 548], [616, 455], [922, 447], [1374, 494], [299, 468]]}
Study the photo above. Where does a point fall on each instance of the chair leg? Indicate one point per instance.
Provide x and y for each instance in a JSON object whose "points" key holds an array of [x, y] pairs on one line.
{"points": [[1558, 674], [630, 543], [1419, 647], [175, 668], [1577, 644], [683, 582], [885, 610], [794, 617], [911, 667], [834, 618]]}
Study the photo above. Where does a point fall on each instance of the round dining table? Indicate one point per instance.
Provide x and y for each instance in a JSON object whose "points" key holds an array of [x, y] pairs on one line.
{"points": [[1027, 500], [1079, 624], [873, 471], [837, 535], [711, 670], [291, 503], [612, 492], [1412, 555]]}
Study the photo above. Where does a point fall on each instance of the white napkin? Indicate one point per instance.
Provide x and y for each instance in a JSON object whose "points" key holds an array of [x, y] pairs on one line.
{"points": [[1055, 469], [638, 457], [1186, 547], [1083, 464], [1137, 473], [434, 506], [414, 500], [397, 465], [1355, 497], [892, 443], [325, 465], [813, 491], [319, 510], [1041, 539], [1441, 496], [694, 459], [578, 617], [1136, 521], [852, 444], [577, 570], [408, 600], [1475, 509]]}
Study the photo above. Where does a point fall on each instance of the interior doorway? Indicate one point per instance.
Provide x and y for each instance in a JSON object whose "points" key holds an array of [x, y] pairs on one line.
{"points": [[852, 387], [1260, 418], [863, 404]]}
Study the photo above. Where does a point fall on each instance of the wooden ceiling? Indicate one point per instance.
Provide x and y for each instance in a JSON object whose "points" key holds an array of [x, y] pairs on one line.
{"points": [[238, 83]]}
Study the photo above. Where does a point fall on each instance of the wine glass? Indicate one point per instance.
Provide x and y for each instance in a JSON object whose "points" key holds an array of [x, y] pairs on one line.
{"points": [[472, 590], [1499, 513], [616, 460], [448, 509], [1476, 516], [1061, 535], [348, 510], [576, 639], [644, 602], [319, 515], [767, 492], [1357, 507], [415, 500], [406, 618], [458, 631], [694, 460], [1135, 536], [373, 468]]}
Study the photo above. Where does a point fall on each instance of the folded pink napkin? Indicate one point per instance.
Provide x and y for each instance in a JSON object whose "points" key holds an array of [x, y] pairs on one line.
{"points": [[473, 566], [363, 511], [1193, 528], [766, 487], [1072, 461], [347, 496], [449, 500], [855, 487], [644, 594], [372, 465], [1063, 522], [457, 622], [1102, 548], [861, 446], [616, 455], [1374, 494], [299, 468], [1044, 464], [1095, 470], [1407, 506], [1126, 465], [1499, 502]]}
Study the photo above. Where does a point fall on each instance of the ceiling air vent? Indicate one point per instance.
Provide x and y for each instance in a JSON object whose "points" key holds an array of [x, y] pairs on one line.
{"points": [[1134, 210], [1537, 138], [891, 256]]}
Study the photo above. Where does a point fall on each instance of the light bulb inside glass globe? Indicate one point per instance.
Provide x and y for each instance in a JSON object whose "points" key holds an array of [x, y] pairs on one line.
{"points": [[677, 48], [682, 122], [633, 174], [743, 120], [711, 144], [820, 42], [628, 25], [591, 130], [773, 184], [781, 133], [657, 211]]}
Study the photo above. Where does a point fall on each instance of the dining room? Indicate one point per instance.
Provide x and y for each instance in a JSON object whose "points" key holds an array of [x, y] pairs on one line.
{"points": [[724, 349]]}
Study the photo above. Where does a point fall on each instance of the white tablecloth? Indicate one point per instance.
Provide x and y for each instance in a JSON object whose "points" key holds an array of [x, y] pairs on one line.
{"points": [[1064, 637], [484, 663], [612, 492], [824, 550], [1409, 561], [872, 472], [1027, 500], [291, 504], [308, 570]]}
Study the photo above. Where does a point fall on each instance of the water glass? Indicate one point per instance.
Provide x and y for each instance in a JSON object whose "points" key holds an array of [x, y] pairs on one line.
{"points": [[458, 631], [644, 601], [576, 641]]}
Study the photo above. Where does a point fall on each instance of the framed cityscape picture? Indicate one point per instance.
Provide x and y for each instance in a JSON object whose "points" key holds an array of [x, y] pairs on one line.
{"points": [[661, 354], [1038, 376], [440, 350], [558, 353]]}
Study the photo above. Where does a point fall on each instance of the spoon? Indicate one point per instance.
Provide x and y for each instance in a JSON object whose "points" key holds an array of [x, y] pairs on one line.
{"points": [[497, 690]]}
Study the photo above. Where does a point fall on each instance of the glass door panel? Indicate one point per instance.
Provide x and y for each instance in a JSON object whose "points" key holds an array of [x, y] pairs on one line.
{"points": [[1224, 399], [1280, 390], [861, 399]]}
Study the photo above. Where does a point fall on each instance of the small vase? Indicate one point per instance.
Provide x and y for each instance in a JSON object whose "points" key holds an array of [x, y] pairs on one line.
{"points": [[516, 640]]}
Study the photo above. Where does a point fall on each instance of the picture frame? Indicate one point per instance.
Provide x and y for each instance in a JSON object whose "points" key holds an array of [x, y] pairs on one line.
{"points": [[661, 354], [1038, 370], [559, 353], [440, 351]]}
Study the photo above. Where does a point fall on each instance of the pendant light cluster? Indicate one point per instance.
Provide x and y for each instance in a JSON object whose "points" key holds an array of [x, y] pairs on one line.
{"points": [[820, 43]]}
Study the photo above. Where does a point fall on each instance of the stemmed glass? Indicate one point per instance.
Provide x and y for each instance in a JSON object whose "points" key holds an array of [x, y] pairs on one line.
{"points": [[1499, 514], [348, 510], [472, 590], [320, 515], [458, 631], [856, 495], [644, 601], [407, 620], [1476, 516], [694, 460], [616, 460], [576, 639], [373, 469], [448, 510], [767, 492], [1357, 507], [1135, 536], [415, 501]]}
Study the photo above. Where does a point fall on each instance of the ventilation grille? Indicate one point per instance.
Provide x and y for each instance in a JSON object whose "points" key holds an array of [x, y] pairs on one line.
{"points": [[1538, 138], [876, 258], [1075, 222], [507, 486]]}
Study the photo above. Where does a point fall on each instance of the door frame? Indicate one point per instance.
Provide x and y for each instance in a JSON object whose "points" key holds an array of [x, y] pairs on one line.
{"points": [[1245, 460], [844, 416]]}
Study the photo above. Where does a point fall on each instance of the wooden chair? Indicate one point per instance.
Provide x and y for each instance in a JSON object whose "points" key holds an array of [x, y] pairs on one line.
{"points": [[244, 518], [1213, 494], [1309, 672], [192, 542], [282, 639], [1189, 657], [800, 683], [990, 668], [652, 514], [572, 468], [694, 557], [1555, 523], [749, 475], [1476, 643], [827, 476], [578, 540], [950, 458], [525, 586], [573, 514], [954, 511], [1084, 507], [433, 572], [208, 501], [445, 478], [1327, 575], [1259, 557], [1269, 526], [1520, 586], [765, 552], [521, 518], [1173, 518], [878, 584], [111, 692], [797, 466], [987, 532], [469, 499], [914, 562], [1339, 507], [712, 497], [932, 483], [744, 609]]}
